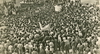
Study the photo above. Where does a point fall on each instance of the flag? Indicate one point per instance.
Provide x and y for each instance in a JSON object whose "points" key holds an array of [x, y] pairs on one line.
{"points": [[45, 28]]}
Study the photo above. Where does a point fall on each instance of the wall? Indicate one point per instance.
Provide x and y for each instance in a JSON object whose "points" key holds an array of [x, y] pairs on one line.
{"points": [[83, 1], [88, 1], [1, 1]]}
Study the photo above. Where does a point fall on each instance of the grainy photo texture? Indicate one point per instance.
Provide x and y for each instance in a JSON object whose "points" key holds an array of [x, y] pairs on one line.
{"points": [[49, 27]]}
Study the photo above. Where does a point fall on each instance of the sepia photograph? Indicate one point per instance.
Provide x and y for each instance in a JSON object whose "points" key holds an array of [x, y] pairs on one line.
{"points": [[49, 27]]}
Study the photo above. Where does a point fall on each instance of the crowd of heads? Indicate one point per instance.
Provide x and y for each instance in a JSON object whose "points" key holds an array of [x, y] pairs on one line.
{"points": [[74, 30]]}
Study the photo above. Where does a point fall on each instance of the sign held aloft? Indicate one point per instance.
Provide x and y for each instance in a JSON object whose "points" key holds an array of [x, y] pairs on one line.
{"points": [[58, 8]]}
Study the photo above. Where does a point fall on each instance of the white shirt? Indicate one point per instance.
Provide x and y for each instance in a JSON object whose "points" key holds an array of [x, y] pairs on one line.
{"points": [[30, 46], [10, 47], [14, 12], [73, 0], [20, 46], [1, 47], [89, 38], [14, 53], [51, 49], [51, 44], [89, 52], [26, 46], [80, 33], [70, 50], [26, 53]]}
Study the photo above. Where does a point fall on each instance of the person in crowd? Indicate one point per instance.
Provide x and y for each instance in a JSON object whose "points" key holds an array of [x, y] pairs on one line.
{"points": [[19, 46], [1, 48], [47, 50], [30, 47], [34, 51], [14, 52], [10, 48], [41, 49], [74, 29], [58, 51]]}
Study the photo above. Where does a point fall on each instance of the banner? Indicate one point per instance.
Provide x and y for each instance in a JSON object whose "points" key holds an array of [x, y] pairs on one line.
{"points": [[45, 28]]}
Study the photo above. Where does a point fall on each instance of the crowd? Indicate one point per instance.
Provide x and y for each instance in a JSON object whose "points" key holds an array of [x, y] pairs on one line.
{"points": [[74, 30]]}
